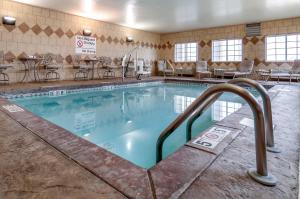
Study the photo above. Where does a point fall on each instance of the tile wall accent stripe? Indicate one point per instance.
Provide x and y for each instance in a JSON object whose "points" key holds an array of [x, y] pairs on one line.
{"points": [[254, 41], [202, 43], [36, 29]]}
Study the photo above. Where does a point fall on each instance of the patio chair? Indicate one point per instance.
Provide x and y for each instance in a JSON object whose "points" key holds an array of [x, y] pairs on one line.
{"points": [[100, 66], [3, 67], [108, 68], [59, 63], [118, 62], [163, 67], [148, 66], [51, 64], [245, 70], [82, 69], [129, 66], [142, 69], [201, 69]]}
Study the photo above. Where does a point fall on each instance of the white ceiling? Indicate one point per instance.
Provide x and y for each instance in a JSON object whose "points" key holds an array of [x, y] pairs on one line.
{"points": [[165, 16]]}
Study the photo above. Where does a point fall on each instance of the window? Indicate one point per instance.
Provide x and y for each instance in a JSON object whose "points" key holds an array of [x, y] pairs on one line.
{"points": [[283, 48], [186, 52], [227, 50]]}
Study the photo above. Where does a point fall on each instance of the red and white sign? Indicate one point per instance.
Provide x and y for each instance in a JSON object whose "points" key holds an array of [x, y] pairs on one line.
{"points": [[85, 45]]}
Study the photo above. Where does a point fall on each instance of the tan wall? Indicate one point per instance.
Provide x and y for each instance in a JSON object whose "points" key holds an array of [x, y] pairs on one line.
{"points": [[40, 30], [253, 47]]}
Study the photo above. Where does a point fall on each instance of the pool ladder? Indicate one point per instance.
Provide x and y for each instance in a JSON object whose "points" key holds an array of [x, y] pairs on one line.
{"points": [[263, 124]]}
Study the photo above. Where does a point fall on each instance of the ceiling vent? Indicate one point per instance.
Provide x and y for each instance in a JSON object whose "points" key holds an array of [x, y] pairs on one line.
{"points": [[253, 29]]}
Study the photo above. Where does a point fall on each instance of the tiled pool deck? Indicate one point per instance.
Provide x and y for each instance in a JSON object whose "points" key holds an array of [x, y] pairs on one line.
{"points": [[41, 160]]}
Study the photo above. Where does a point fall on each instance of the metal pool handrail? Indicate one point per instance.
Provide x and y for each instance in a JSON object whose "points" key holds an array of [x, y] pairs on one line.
{"points": [[260, 174], [266, 106]]}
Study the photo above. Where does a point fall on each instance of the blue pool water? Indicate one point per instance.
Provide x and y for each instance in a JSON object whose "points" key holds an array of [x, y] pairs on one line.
{"points": [[128, 121]]}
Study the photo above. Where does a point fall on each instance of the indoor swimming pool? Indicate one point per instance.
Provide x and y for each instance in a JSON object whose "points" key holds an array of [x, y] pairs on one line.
{"points": [[128, 120]]}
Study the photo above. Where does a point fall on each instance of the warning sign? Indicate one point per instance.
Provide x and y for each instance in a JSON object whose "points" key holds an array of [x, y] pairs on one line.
{"points": [[212, 138], [85, 45]]}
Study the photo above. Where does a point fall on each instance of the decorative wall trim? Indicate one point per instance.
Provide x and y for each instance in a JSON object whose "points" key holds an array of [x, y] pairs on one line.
{"points": [[202, 43], [252, 42], [49, 31]]}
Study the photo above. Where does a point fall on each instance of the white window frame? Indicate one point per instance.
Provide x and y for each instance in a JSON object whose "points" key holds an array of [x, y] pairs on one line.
{"points": [[286, 48], [185, 58], [212, 50]]}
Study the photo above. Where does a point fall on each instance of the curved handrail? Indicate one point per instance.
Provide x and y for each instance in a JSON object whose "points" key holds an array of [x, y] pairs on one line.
{"points": [[266, 106], [204, 100], [209, 101]]}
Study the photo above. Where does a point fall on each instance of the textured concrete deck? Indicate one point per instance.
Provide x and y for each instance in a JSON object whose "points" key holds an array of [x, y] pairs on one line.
{"points": [[227, 178], [31, 168]]}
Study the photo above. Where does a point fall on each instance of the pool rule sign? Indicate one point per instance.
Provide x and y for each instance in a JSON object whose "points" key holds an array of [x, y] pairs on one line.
{"points": [[85, 45]]}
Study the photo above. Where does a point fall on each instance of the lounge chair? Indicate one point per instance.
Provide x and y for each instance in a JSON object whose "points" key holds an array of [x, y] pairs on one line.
{"points": [[82, 69], [3, 67], [201, 69], [163, 68], [294, 73], [185, 71], [245, 70], [219, 72]]}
